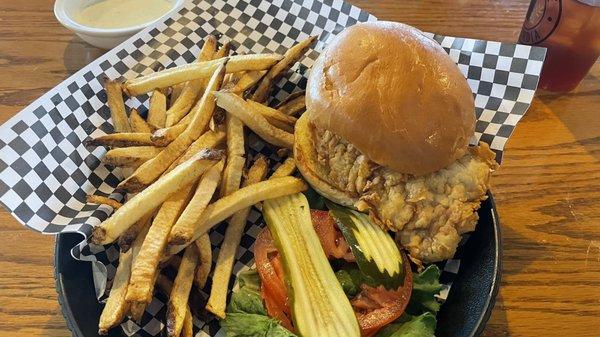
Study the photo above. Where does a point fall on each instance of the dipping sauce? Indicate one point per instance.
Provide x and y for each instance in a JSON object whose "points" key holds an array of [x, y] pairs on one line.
{"points": [[122, 13]]}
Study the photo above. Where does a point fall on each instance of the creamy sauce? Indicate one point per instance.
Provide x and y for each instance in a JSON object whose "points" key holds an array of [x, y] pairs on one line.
{"points": [[122, 13]]}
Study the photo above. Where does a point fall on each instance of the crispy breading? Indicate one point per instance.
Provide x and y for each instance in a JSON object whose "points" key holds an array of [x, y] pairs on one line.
{"points": [[428, 213]]}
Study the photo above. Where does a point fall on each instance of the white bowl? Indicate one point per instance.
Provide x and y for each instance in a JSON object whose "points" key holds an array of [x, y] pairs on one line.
{"points": [[65, 10]]}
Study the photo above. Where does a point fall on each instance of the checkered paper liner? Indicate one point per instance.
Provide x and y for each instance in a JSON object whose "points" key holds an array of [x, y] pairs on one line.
{"points": [[46, 172]]}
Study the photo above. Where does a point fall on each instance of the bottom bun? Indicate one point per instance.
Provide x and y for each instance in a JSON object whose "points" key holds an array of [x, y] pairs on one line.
{"points": [[307, 163]]}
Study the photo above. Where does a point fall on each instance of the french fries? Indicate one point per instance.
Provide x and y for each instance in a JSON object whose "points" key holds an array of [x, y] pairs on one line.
{"points": [[133, 156], [193, 71], [235, 136], [218, 293], [238, 200], [145, 267], [293, 104], [147, 200], [205, 253], [188, 324], [116, 306], [183, 229], [191, 89], [277, 118], [157, 113], [165, 136], [289, 58], [238, 107], [246, 81], [136, 309], [101, 200], [114, 95], [209, 140], [286, 169], [129, 236], [201, 114], [121, 140], [175, 93], [138, 124], [174, 161], [178, 299], [232, 176]]}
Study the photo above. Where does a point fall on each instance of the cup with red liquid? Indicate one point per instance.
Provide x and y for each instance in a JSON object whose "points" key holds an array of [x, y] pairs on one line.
{"points": [[570, 29]]}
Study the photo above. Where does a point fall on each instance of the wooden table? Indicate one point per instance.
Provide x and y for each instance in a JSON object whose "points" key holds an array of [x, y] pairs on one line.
{"points": [[547, 190]]}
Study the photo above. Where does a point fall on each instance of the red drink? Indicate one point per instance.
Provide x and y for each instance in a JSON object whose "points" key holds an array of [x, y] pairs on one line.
{"points": [[570, 29]]}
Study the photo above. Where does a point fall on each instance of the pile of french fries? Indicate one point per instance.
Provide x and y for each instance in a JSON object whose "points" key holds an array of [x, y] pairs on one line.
{"points": [[184, 169]]}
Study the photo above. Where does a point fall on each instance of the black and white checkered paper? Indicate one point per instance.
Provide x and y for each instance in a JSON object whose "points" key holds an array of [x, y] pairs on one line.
{"points": [[46, 172]]}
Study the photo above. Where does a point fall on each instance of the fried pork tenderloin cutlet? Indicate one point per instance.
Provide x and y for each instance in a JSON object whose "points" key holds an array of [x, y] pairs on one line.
{"points": [[428, 213], [386, 130]]}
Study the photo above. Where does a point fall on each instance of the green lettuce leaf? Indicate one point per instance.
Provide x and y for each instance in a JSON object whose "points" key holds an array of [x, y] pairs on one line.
{"points": [[246, 314], [253, 325], [425, 286], [411, 326]]}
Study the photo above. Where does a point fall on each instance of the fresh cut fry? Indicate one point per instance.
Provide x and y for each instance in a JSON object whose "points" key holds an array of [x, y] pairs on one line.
{"points": [[102, 200], [238, 200], [193, 71], [145, 268], [114, 96], [209, 140], [138, 124], [289, 58], [184, 228], [204, 264], [136, 309], [178, 300], [116, 306], [278, 119], [133, 156], [132, 233], [287, 168], [238, 107], [232, 176], [218, 293], [188, 324], [293, 104], [201, 114], [157, 112], [121, 140], [150, 198], [164, 136], [191, 89], [246, 81], [175, 93], [235, 135]]}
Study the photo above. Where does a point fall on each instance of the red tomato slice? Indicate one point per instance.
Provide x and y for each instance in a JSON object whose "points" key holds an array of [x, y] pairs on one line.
{"points": [[374, 307], [332, 240], [378, 307]]}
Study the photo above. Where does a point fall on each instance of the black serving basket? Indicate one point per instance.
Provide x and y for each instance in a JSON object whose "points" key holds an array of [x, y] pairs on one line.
{"points": [[465, 312]]}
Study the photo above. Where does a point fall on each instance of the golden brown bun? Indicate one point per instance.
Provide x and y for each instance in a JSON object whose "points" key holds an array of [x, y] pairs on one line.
{"points": [[395, 95]]}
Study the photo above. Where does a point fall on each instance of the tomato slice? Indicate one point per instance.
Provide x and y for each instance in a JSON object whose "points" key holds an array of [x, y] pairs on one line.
{"points": [[378, 307], [374, 307], [332, 240], [270, 270]]}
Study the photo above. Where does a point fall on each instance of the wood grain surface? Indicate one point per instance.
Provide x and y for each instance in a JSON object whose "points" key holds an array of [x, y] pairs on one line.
{"points": [[547, 190]]}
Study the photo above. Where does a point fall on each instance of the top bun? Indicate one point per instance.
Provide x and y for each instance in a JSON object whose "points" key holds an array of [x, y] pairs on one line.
{"points": [[395, 95]]}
